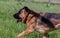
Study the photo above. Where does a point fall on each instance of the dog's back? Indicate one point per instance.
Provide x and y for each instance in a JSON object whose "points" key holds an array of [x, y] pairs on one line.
{"points": [[52, 15]]}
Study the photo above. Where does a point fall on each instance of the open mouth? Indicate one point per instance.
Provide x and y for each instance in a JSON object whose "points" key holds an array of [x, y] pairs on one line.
{"points": [[19, 20]]}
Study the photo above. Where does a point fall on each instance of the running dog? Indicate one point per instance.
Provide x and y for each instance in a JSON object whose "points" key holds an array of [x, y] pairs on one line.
{"points": [[41, 22]]}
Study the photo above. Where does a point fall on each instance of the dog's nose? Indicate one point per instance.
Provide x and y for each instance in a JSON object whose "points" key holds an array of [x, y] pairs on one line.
{"points": [[16, 16]]}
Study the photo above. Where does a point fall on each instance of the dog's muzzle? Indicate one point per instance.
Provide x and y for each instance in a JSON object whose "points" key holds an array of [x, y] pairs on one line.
{"points": [[16, 16]]}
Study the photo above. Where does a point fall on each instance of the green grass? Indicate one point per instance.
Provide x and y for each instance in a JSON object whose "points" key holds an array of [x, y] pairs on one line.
{"points": [[8, 26]]}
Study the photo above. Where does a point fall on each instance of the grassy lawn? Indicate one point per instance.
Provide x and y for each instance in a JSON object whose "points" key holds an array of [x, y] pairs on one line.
{"points": [[8, 26]]}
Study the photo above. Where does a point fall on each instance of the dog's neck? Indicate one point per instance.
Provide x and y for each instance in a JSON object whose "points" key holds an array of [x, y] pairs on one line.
{"points": [[26, 18], [32, 13]]}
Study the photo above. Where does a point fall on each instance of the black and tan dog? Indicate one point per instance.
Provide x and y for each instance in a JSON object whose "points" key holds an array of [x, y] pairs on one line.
{"points": [[41, 22]]}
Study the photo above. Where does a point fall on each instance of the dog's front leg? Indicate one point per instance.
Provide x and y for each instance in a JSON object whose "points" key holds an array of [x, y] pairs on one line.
{"points": [[27, 31], [45, 35]]}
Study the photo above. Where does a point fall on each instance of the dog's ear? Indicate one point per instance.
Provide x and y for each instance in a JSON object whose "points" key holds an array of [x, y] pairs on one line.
{"points": [[25, 7]]}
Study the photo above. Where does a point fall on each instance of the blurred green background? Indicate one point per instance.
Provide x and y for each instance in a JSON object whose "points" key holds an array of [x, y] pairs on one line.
{"points": [[8, 26]]}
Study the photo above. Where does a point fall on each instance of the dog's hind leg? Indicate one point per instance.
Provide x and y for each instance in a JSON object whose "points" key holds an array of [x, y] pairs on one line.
{"points": [[27, 31]]}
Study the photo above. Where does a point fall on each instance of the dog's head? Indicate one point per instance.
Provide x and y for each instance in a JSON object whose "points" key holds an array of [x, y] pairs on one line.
{"points": [[21, 15]]}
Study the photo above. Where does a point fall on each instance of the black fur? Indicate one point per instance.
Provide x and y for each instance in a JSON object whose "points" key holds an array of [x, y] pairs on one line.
{"points": [[48, 22]]}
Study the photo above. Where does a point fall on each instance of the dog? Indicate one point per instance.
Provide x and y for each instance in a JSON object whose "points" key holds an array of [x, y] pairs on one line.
{"points": [[41, 22]]}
